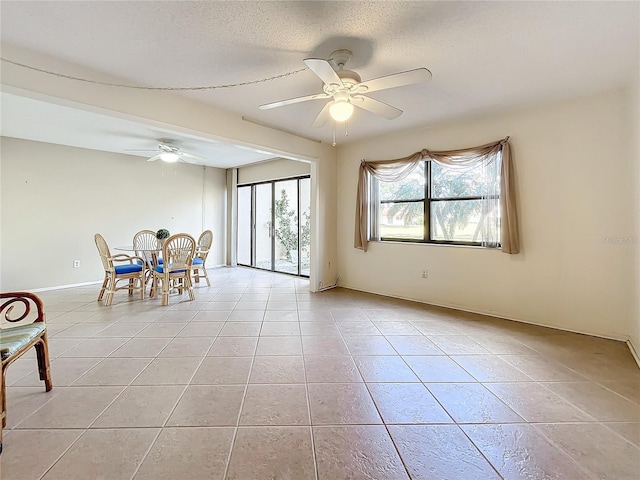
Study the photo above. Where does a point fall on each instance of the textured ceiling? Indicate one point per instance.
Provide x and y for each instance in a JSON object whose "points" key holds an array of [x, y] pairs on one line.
{"points": [[485, 56]]}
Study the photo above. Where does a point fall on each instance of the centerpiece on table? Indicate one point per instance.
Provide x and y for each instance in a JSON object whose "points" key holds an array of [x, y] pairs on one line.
{"points": [[162, 236]]}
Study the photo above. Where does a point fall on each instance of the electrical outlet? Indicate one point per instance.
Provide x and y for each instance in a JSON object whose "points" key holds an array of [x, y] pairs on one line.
{"points": [[76, 264], [425, 273]]}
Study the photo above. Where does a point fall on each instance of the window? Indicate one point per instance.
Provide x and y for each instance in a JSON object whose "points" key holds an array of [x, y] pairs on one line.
{"points": [[439, 203]]}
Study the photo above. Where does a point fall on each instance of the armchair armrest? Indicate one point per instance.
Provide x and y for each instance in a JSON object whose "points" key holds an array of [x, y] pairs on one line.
{"points": [[25, 307]]}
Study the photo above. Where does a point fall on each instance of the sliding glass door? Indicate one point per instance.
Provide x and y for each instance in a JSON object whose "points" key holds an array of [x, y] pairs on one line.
{"points": [[274, 221]]}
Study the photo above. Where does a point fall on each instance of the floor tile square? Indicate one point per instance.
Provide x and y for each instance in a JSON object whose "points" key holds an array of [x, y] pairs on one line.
{"points": [[437, 369], [18, 461], [519, 451], [472, 403], [277, 369], [206, 448], [407, 403], [102, 454], [331, 369], [140, 406], [272, 452], [168, 371], [233, 347], [223, 371], [357, 451], [275, 405], [279, 346], [347, 403], [440, 451], [384, 369], [208, 406]]}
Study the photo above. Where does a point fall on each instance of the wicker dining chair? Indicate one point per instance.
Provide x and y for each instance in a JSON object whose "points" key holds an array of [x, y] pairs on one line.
{"points": [[23, 326], [144, 242], [199, 260], [117, 268], [175, 271]]}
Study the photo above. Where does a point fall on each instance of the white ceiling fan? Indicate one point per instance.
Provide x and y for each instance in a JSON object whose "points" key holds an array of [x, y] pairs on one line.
{"points": [[169, 153], [347, 90]]}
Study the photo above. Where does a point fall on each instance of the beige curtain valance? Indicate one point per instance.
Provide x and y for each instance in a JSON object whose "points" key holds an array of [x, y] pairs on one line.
{"points": [[395, 170]]}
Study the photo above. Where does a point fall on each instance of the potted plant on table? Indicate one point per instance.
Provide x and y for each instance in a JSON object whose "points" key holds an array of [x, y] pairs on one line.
{"points": [[162, 235]]}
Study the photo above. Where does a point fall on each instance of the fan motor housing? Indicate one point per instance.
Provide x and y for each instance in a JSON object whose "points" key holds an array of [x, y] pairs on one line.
{"points": [[349, 77]]}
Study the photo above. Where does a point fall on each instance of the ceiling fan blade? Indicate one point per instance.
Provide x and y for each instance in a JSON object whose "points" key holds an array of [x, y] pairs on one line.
{"points": [[154, 158], [395, 80], [293, 100], [322, 117], [376, 106], [324, 70], [192, 158]]}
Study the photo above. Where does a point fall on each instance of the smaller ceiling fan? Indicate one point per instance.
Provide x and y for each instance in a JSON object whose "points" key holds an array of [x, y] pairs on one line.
{"points": [[347, 90], [169, 153]]}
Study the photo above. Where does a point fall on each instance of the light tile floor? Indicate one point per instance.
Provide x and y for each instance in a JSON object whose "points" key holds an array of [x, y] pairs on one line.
{"points": [[259, 379]]}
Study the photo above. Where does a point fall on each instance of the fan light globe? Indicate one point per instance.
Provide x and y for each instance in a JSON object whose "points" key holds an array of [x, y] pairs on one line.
{"points": [[341, 110], [169, 157]]}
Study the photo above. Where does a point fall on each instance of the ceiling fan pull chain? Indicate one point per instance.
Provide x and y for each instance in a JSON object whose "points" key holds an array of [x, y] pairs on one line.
{"points": [[346, 128], [334, 134]]}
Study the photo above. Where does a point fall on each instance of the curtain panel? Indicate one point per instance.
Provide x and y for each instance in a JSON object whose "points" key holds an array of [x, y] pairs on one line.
{"points": [[398, 169]]}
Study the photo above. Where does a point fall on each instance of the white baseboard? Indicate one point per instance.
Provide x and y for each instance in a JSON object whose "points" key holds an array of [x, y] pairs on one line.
{"points": [[60, 287], [619, 338]]}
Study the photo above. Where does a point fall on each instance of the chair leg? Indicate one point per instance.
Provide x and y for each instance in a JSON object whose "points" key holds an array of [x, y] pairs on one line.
{"points": [[206, 275], [42, 352], [103, 288], [189, 287], [3, 392], [108, 298], [196, 275], [166, 284]]}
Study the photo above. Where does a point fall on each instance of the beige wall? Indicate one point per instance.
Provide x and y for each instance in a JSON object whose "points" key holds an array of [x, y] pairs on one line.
{"points": [[55, 198], [272, 170], [177, 113], [576, 198]]}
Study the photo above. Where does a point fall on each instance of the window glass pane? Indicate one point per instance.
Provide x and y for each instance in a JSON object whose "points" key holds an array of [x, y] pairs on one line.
{"points": [[305, 226], [263, 229], [244, 225], [450, 182], [411, 188], [286, 227], [402, 220], [458, 220]]}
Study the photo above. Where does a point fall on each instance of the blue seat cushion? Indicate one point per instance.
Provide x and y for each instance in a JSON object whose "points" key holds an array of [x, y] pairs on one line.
{"points": [[160, 269], [198, 261], [131, 268], [13, 339]]}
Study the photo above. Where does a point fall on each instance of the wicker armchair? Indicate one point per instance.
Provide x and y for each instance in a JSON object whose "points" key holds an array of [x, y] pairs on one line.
{"points": [[177, 252], [26, 311], [144, 241], [117, 268], [199, 260], [145, 244]]}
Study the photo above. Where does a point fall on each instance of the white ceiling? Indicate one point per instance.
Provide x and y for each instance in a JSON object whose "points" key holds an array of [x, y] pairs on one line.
{"points": [[485, 57]]}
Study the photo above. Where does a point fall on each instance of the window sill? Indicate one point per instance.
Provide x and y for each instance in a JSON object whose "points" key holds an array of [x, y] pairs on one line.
{"points": [[456, 245]]}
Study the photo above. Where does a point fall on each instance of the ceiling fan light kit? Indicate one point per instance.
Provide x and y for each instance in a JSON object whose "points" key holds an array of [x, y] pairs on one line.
{"points": [[341, 109], [171, 154], [169, 157], [346, 89]]}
